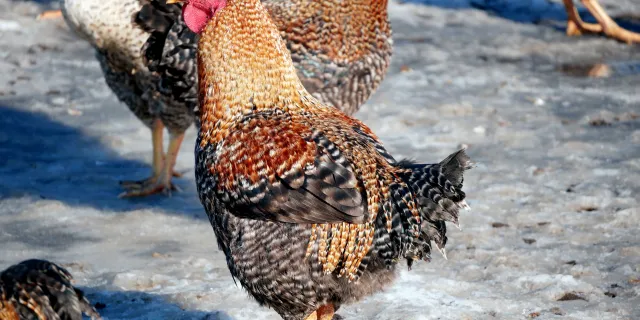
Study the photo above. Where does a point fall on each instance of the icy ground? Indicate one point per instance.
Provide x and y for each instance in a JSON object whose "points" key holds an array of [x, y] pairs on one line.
{"points": [[553, 230]]}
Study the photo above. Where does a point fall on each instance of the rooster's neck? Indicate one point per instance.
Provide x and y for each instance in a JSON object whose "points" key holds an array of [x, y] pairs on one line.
{"points": [[243, 67]]}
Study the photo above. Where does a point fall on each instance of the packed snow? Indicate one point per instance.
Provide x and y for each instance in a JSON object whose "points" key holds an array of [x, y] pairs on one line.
{"points": [[553, 230]]}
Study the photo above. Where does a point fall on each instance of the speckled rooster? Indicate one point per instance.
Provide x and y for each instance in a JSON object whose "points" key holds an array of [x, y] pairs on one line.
{"points": [[308, 207], [147, 55], [41, 290]]}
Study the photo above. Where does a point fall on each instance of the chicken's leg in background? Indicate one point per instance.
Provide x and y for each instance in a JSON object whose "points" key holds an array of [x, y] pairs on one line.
{"points": [[575, 25], [162, 166]]}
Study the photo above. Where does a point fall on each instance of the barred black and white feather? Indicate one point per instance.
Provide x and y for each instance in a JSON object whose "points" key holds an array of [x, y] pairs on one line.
{"points": [[437, 191], [170, 50]]}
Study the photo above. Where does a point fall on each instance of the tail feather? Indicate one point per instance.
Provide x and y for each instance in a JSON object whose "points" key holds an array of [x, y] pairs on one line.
{"points": [[438, 187], [437, 190]]}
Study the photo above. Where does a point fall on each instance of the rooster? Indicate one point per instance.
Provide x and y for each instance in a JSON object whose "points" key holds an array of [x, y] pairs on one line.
{"points": [[147, 55], [42, 290], [308, 207]]}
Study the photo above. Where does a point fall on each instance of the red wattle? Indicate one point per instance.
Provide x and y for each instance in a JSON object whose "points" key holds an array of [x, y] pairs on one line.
{"points": [[195, 18]]}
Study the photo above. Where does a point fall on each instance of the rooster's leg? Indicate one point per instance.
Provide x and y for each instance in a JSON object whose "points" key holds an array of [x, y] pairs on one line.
{"points": [[325, 312], [50, 14], [160, 182]]}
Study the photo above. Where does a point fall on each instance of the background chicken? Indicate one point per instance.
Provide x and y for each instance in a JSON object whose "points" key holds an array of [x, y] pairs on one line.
{"points": [[39, 289], [308, 207], [159, 83], [110, 27]]}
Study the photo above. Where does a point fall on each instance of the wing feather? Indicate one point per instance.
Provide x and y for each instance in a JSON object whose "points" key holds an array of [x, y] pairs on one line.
{"points": [[293, 176]]}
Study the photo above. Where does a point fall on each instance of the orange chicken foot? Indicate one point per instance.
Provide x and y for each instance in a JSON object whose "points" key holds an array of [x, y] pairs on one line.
{"points": [[162, 167], [575, 25], [50, 14], [325, 312]]}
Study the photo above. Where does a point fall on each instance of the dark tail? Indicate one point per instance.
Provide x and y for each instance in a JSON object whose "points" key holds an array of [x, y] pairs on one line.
{"points": [[438, 187], [437, 191]]}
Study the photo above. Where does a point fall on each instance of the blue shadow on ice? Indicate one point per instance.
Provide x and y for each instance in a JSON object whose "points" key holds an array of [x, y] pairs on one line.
{"points": [[137, 305], [40, 157]]}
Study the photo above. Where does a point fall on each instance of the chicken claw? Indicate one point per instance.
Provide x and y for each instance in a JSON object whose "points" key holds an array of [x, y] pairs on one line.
{"points": [[160, 180], [606, 25], [49, 14], [128, 184], [148, 187]]}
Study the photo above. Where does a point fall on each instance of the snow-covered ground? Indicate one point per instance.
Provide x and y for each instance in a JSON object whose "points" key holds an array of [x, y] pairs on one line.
{"points": [[553, 231]]}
